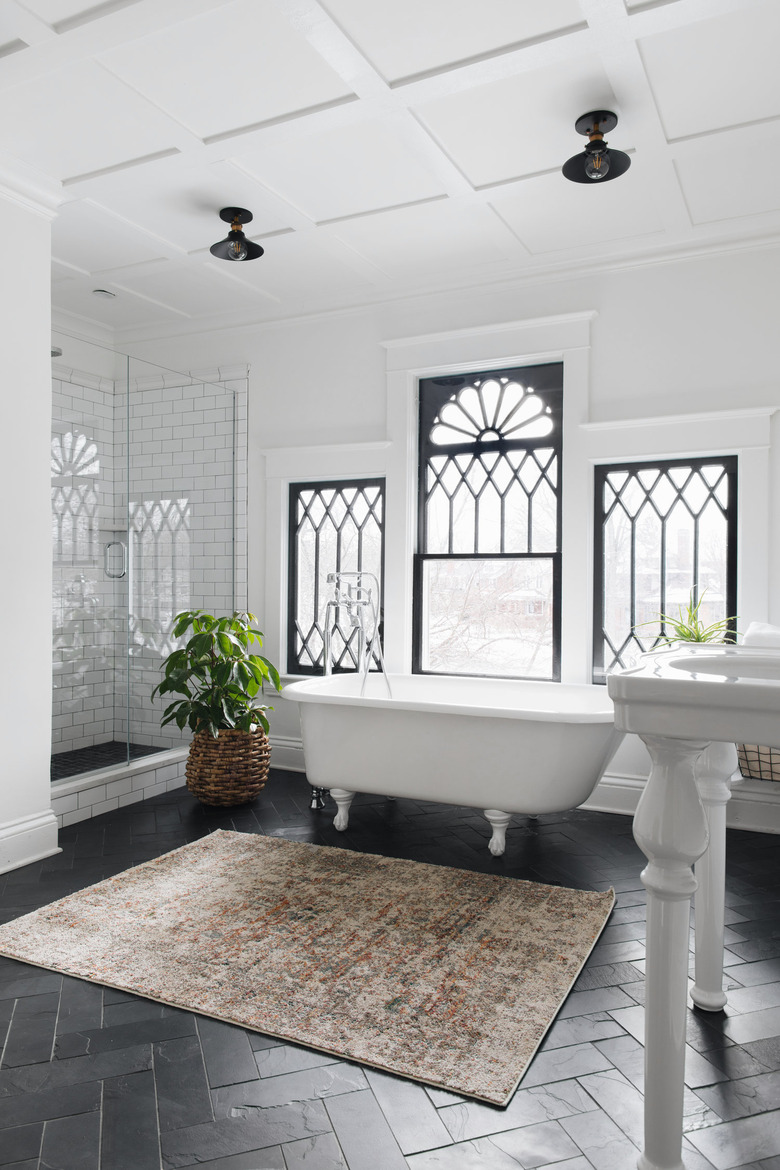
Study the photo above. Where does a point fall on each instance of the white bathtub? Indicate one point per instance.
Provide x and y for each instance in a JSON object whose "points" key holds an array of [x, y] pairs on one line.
{"points": [[502, 746]]}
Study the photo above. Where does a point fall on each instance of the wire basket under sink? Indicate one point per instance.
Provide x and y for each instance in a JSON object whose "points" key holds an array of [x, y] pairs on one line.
{"points": [[758, 763]]}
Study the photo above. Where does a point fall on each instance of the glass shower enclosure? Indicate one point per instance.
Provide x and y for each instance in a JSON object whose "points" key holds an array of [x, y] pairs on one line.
{"points": [[143, 472]]}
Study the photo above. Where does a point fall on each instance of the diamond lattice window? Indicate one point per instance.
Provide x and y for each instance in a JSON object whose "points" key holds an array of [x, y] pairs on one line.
{"points": [[487, 579], [161, 531], [665, 531], [335, 526]]}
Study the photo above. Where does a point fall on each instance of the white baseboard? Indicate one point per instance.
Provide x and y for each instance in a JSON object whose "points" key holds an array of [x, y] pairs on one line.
{"points": [[754, 804], [287, 753], [28, 839]]}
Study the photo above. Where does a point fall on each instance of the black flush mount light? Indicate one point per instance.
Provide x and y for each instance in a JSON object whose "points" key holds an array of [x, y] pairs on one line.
{"points": [[236, 246], [596, 164]]}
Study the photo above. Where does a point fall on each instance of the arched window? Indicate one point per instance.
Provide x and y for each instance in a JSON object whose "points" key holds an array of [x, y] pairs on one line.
{"points": [[488, 569]]}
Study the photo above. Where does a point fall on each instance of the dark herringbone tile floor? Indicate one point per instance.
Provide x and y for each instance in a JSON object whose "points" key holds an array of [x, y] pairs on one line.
{"points": [[94, 1079]]}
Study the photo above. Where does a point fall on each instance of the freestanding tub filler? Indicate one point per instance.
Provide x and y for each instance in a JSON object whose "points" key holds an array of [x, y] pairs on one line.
{"points": [[502, 746]]}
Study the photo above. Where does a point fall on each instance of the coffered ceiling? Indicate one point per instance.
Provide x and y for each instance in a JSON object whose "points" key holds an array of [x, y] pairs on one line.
{"points": [[385, 147]]}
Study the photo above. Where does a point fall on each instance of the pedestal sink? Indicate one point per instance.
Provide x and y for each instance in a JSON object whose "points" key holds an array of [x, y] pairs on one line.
{"points": [[679, 701]]}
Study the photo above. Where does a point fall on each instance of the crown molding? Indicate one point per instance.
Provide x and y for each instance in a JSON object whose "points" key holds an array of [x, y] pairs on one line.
{"points": [[66, 324], [237, 373], [29, 188], [82, 378], [543, 273]]}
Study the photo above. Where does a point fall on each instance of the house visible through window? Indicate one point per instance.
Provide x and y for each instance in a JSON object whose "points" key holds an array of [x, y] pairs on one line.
{"points": [[488, 568], [335, 526], [665, 533]]}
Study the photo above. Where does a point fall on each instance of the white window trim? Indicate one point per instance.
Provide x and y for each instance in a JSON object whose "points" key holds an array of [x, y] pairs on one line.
{"points": [[515, 343], [744, 433], [283, 466]]}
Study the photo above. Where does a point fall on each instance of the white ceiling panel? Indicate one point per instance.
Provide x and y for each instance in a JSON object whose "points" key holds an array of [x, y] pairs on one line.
{"points": [[404, 37], [124, 310], [439, 237], [198, 294], [235, 67], [90, 238], [550, 216], [302, 269], [719, 72], [9, 27], [177, 108], [80, 121], [717, 187], [345, 171], [54, 11], [523, 124], [179, 201]]}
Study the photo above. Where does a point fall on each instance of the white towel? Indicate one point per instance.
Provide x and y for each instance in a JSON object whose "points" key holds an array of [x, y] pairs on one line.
{"points": [[761, 634]]}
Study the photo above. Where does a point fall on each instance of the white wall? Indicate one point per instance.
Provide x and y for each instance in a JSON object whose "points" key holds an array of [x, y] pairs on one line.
{"points": [[670, 338], [27, 825]]}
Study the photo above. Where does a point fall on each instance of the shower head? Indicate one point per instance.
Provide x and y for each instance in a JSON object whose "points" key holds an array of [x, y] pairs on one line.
{"points": [[56, 351]]}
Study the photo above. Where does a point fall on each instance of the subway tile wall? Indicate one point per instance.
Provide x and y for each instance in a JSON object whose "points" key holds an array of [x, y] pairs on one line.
{"points": [[184, 547]]}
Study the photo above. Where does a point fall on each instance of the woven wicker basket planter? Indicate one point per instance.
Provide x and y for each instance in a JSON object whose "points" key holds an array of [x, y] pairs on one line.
{"points": [[758, 763], [230, 769]]}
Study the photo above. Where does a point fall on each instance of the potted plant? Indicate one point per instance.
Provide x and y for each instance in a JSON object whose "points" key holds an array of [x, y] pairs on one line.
{"points": [[219, 679], [688, 626]]}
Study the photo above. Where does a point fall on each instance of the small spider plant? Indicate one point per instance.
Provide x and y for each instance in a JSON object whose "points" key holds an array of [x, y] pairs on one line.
{"points": [[688, 626]]}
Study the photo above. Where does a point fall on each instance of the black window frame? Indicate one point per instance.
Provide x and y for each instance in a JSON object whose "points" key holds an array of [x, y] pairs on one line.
{"points": [[546, 378], [294, 665], [730, 463]]}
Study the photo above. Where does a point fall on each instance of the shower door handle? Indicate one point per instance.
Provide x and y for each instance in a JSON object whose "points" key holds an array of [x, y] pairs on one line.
{"points": [[107, 559]]}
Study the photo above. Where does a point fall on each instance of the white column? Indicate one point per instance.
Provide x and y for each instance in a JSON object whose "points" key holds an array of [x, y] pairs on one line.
{"points": [[671, 830], [714, 770], [28, 828]]}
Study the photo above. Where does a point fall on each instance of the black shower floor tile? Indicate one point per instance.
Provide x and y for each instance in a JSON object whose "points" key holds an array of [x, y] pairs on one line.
{"points": [[99, 755]]}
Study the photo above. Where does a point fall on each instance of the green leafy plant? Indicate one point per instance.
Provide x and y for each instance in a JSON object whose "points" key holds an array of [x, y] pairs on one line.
{"points": [[217, 675], [688, 626]]}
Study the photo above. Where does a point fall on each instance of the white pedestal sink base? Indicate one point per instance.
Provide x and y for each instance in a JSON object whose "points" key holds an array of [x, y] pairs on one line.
{"points": [[678, 701], [671, 830], [714, 770]]}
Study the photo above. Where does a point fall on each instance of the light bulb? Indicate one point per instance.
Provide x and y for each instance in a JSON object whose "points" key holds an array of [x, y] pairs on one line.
{"points": [[237, 249], [597, 165]]}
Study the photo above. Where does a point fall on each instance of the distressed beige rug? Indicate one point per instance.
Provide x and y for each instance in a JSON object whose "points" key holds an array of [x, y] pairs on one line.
{"points": [[448, 977]]}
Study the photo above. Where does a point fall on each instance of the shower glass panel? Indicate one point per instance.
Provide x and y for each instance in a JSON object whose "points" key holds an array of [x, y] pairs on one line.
{"points": [[142, 485], [88, 528], [180, 525]]}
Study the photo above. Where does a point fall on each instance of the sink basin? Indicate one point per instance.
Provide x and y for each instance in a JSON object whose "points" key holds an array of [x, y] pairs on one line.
{"points": [[747, 666], [695, 691]]}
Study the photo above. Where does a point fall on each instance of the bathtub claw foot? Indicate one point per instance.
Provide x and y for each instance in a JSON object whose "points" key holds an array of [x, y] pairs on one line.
{"points": [[343, 799], [498, 822]]}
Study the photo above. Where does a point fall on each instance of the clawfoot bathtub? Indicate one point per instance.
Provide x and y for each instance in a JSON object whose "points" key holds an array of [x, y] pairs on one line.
{"points": [[500, 745]]}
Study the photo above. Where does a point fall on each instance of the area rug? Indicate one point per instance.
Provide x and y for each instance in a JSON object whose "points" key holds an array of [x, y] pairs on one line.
{"points": [[444, 976]]}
